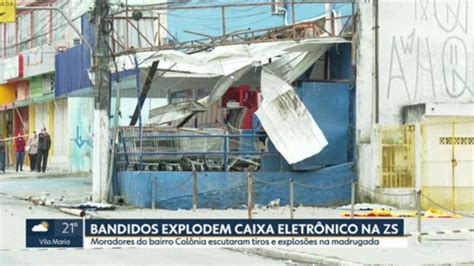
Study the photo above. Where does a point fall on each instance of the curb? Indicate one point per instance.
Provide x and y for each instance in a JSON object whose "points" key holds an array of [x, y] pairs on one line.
{"points": [[74, 212], [10, 176], [281, 254], [443, 232]]}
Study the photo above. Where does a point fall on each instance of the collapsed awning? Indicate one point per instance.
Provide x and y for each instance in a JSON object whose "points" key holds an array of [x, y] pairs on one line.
{"points": [[224, 60], [229, 64]]}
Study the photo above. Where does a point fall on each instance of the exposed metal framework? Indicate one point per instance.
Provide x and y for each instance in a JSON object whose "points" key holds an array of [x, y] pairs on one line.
{"points": [[295, 31]]}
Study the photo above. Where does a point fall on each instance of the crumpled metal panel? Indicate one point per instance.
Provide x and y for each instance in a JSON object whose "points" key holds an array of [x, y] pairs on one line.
{"points": [[287, 122], [287, 60]]}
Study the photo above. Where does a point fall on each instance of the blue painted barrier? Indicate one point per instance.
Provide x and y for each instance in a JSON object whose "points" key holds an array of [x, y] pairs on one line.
{"points": [[220, 190]]}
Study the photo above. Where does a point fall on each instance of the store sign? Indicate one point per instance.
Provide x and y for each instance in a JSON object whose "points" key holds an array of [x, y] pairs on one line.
{"points": [[39, 61], [7, 11], [34, 57], [13, 67]]}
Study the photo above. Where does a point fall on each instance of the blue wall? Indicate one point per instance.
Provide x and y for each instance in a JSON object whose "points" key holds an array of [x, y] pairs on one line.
{"points": [[208, 21], [340, 62], [72, 65], [220, 190], [71, 70], [328, 103]]}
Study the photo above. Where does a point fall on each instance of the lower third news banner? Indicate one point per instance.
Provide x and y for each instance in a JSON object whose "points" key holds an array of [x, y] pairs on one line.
{"points": [[126, 233]]}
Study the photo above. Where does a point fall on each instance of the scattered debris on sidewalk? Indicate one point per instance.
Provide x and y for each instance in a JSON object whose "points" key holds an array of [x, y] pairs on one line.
{"points": [[367, 207], [430, 213]]}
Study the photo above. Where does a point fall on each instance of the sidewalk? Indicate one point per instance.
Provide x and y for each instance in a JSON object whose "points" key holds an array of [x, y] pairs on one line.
{"points": [[58, 187], [54, 173]]}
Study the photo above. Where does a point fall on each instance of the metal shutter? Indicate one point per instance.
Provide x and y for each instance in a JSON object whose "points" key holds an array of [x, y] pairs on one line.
{"points": [[41, 116], [60, 131]]}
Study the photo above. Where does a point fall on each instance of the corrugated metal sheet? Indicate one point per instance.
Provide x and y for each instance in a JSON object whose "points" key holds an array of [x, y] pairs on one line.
{"points": [[41, 116], [60, 136], [71, 77], [287, 122]]}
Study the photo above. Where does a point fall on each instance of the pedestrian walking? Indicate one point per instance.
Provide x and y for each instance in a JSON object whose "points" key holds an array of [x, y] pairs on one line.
{"points": [[44, 143], [2, 154], [20, 151], [32, 149]]}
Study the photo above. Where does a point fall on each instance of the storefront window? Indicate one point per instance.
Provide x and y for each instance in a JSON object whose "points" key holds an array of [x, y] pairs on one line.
{"points": [[41, 27], [11, 40], [59, 22], [24, 32]]}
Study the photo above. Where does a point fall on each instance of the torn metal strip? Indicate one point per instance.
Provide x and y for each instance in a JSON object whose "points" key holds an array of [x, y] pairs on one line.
{"points": [[287, 122]]}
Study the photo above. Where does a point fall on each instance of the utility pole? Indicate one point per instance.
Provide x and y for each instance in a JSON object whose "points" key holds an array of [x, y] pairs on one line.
{"points": [[101, 138]]}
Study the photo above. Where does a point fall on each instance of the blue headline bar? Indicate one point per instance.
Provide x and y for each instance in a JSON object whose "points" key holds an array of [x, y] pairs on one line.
{"points": [[224, 227]]}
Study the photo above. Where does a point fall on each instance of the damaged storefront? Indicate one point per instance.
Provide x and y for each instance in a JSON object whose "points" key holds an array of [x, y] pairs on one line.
{"points": [[275, 110]]}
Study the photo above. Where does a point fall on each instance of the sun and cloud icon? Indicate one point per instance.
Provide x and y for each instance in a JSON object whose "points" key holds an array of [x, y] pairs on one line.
{"points": [[42, 227]]}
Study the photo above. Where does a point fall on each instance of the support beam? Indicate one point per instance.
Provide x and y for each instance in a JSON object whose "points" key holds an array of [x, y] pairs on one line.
{"points": [[144, 92]]}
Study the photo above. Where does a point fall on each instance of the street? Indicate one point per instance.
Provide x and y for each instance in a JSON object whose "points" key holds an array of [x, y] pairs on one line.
{"points": [[444, 248], [13, 251]]}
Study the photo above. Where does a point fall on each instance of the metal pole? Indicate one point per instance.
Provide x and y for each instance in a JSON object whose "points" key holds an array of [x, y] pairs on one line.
{"points": [[453, 168], [353, 188], [153, 193], [195, 190], [293, 18], [418, 216], [292, 198], [139, 104], [127, 41], [249, 195], [226, 153], [159, 30], [223, 23], [353, 43], [375, 6]]}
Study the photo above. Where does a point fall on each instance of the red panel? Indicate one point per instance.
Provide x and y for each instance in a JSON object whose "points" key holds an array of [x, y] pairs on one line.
{"points": [[246, 98], [18, 126], [21, 68]]}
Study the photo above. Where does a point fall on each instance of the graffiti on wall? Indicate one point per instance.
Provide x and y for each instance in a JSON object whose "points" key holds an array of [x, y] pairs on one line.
{"points": [[80, 146], [80, 141], [434, 59]]}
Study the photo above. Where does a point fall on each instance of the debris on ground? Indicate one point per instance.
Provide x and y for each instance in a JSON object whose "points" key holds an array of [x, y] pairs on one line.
{"points": [[274, 204], [88, 206], [367, 207], [430, 213]]}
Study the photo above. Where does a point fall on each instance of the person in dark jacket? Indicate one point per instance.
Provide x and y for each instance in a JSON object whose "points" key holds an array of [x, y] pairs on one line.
{"points": [[20, 151], [32, 149], [44, 143], [2, 154]]}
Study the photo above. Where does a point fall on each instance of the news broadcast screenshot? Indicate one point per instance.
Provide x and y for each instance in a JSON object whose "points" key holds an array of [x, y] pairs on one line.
{"points": [[225, 132]]}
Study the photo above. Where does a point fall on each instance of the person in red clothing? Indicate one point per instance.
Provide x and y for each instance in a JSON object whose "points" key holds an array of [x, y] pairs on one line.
{"points": [[20, 151]]}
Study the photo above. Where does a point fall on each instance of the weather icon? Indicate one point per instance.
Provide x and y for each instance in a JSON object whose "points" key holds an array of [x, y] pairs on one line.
{"points": [[42, 227]]}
